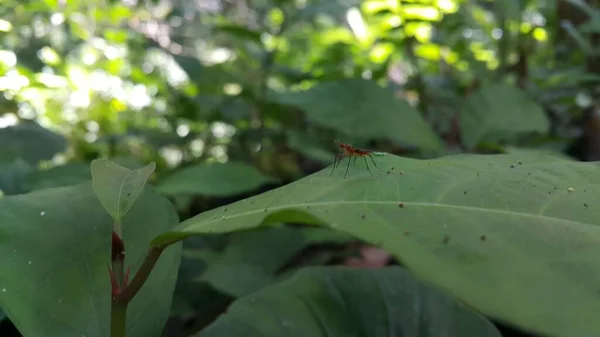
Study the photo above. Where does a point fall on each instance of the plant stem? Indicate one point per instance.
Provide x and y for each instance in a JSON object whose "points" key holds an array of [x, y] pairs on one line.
{"points": [[118, 318], [123, 293], [142, 274], [117, 228], [118, 309]]}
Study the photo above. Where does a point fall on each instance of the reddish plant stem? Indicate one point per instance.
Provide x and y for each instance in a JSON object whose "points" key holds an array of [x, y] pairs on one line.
{"points": [[122, 291], [118, 309], [142, 274]]}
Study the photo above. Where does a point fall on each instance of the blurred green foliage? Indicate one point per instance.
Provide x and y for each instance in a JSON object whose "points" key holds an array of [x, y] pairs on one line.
{"points": [[231, 97]]}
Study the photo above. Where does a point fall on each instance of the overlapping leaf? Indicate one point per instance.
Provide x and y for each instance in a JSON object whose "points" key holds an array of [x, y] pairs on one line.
{"points": [[254, 259], [340, 302], [213, 180], [363, 109], [54, 252], [500, 112]]}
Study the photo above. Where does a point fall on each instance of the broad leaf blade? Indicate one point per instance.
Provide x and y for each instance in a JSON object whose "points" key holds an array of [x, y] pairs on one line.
{"points": [[54, 252], [59, 176], [500, 112], [515, 236], [253, 259], [340, 302], [213, 180], [363, 109], [118, 187], [31, 142]]}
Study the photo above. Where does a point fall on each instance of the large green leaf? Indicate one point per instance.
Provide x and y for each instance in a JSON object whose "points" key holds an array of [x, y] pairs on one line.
{"points": [[118, 187], [253, 259], [340, 302], [213, 180], [515, 236], [363, 109], [31, 142], [499, 112], [54, 252], [58, 176]]}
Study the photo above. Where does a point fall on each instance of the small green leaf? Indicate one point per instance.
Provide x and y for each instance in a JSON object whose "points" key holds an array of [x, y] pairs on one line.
{"points": [[54, 252], [500, 112], [118, 187], [341, 302], [362, 109], [216, 180], [240, 32]]}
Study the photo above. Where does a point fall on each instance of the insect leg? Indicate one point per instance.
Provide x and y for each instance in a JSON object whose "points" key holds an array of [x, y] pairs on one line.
{"points": [[335, 162], [366, 163], [373, 160], [340, 158], [347, 167]]}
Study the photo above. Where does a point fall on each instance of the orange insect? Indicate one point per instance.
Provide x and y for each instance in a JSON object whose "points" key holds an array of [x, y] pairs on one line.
{"points": [[351, 151]]}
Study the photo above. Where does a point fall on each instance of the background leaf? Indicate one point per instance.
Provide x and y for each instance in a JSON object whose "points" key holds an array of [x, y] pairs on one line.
{"points": [[226, 179], [31, 142], [13, 175], [339, 302], [253, 259], [118, 187], [59, 176], [61, 287], [309, 147], [499, 112], [362, 109], [524, 223]]}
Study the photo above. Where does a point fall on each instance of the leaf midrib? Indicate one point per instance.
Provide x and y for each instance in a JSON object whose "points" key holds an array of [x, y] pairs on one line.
{"points": [[129, 174], [185, 224]]}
